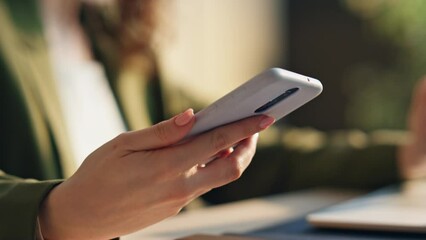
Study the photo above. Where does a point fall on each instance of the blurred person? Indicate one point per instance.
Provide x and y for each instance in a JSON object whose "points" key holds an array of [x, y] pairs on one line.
{"points": [[56, 103], [50, 121]]}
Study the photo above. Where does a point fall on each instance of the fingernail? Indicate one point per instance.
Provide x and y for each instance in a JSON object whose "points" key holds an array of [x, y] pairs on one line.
{"points": [[184, 118], [266, 122]]}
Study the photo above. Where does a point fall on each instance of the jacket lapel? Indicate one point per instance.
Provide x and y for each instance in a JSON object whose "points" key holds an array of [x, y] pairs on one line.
{"points": [[132, 82], [26, 53]]}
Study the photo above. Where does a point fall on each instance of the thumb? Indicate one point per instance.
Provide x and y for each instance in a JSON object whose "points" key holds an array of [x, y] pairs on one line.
{"points": [[161, 134]]}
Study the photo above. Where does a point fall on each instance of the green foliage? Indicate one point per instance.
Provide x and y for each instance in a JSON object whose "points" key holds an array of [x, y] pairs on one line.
{"points": [[380, 93]]}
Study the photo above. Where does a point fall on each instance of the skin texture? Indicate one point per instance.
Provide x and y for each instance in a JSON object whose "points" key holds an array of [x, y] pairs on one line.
{"points": [[412, 156], [142, 177]]}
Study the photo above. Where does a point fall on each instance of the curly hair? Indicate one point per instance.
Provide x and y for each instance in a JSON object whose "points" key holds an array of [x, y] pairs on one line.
{"points": [[138, 21], [122, 31]]}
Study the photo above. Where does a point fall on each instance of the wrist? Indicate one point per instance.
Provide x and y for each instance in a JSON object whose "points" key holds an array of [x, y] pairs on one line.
{"points": [[39, 234], [51, 218], [44, 218]]}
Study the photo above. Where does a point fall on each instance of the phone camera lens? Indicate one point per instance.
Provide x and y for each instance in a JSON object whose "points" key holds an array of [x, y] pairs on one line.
{"points": [[276, 100]]}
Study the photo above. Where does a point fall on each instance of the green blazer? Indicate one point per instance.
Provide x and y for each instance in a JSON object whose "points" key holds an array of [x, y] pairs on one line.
{"points": [[34, 145]]}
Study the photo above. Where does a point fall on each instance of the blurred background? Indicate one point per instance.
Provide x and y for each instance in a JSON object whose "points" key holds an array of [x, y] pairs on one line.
{"points": [[367, 53]]}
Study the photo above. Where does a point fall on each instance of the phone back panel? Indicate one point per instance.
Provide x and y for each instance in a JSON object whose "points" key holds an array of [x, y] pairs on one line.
{"points": [[263, 88]]}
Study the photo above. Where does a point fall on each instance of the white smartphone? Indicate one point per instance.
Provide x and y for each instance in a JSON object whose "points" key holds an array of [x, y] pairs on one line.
{"points": [[275, 92]]}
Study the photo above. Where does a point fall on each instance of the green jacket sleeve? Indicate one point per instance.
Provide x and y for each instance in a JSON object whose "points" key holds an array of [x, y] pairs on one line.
{"points": [[19, 204]]}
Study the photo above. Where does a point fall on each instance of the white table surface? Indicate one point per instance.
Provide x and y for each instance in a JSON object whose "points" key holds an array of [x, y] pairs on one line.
{"points": [[242, 216]]}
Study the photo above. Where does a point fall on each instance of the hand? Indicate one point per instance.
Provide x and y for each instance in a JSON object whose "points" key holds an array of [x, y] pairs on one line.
{"points": [[142, 177], [412, 156]]}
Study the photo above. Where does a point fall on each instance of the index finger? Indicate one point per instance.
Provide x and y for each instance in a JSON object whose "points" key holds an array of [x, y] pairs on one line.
{"points": [[161, 134]]}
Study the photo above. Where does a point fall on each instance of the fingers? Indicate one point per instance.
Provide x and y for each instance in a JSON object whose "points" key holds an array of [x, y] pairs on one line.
{"points": [[206, 145], [417, 117], [224, 170], [160, 135]]}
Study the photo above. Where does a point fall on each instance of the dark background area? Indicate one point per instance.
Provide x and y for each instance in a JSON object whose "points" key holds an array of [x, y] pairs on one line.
{"points": [[325, 40]]}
